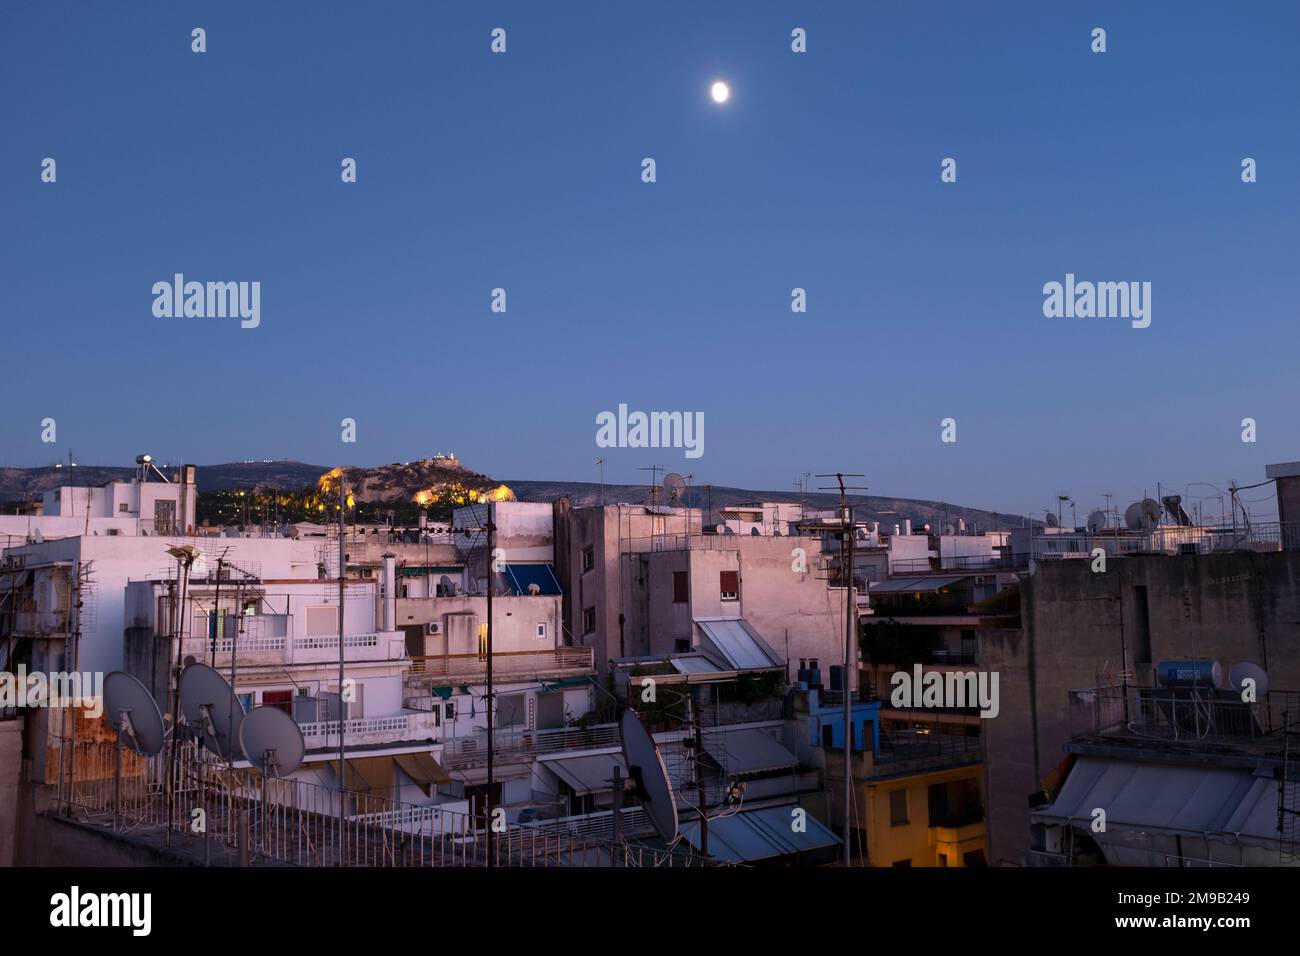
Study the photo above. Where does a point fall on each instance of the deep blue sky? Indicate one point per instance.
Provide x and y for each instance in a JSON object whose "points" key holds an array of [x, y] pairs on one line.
{"points": [[523, 171]]}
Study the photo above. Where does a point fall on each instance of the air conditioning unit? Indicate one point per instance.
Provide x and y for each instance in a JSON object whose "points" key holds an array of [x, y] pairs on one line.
{"points": [[433, 627], [980, 580]]}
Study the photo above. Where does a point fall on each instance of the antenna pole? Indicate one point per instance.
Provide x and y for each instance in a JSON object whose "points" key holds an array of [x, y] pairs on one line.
{"points": [[850, 647], [343, 501], [491, 765]]}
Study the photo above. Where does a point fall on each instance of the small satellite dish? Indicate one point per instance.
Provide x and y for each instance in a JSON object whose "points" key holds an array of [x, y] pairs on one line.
{"points": [[211, 709], [645, 766], [1097, 521], [1051, 520], [134, 713], [674, 488], [726, 529], [949, 530], [272, 741], [1244, 671]]}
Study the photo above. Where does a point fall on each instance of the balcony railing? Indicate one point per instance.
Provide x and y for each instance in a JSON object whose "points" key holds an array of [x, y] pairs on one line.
{"points": [[428, 671], [948, 563], [514, 746], [1187, 715], [370, 730], [258, 648]]}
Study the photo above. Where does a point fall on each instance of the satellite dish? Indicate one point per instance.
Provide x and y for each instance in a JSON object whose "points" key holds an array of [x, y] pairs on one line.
{"points": [[1051, 520], [726, 529], [134, 713], [272, 741], [1244, 671], [949, 530], [1142, 515], [1097, 521], [645, 766], [211, 709], [674, 488]]}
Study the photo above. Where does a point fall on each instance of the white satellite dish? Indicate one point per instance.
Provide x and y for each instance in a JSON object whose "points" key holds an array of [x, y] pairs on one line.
{"points": [[645, 766], [134, 713], [1097, 521], [1142, 515], [211, 709], [1051, 520], [272, 741], [1244, 671]]}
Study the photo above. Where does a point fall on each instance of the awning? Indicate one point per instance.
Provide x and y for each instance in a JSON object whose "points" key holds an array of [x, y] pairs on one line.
{"points": [[364, 774], [1159, 798], [747, 751], [923, 585], [593, 773], [738, 644], [693, 664], [521, 576], [443, 692], [753, 835], [424, 770]]}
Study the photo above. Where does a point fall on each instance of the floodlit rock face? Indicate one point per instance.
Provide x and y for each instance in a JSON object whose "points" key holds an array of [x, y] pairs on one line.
{"points": [[430, 481]]}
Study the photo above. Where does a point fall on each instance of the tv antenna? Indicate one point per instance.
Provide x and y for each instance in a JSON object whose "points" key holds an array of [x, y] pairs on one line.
{"points": [[850, 637]]}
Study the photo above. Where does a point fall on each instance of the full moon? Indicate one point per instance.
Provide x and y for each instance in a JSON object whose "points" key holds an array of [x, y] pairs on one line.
{"points": [[720, 92]]}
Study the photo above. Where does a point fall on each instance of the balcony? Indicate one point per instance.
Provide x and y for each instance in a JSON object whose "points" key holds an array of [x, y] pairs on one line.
{"points": [[427, 672], [520, 746], [253, 648], [370, 730]]}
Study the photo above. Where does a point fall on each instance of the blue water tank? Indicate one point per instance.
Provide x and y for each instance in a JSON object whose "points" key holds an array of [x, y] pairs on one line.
{"points": [[1188, 673]]}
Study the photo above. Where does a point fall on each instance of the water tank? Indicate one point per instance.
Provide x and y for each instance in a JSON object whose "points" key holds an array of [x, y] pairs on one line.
{"points": [[1188, 673]]}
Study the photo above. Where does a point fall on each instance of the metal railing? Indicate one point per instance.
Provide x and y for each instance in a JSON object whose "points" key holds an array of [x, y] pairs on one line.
{"points": [[253, 820], [427, 671], [948, 563], [1188, 715], [1267, 536], [511, 746]]}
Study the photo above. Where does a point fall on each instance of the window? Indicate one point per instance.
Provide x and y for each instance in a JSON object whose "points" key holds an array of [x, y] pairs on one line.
{"points": [[943, 859], [589, 621], [683, 645], [898, 808], [680, 587], [123, 507], [279, 699], [541, 631], [436, 710], [902, 863], [449, 711], [730, 585], [588, 559]]}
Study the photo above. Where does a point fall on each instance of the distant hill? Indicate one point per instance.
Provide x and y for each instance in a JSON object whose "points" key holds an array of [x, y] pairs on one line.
{"points": [[393, 482], [713, 497]]}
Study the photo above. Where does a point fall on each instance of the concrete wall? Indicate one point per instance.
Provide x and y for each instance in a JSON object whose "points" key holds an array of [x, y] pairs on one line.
{"points": [[11, 765], [514, 621], [1230, 606]]}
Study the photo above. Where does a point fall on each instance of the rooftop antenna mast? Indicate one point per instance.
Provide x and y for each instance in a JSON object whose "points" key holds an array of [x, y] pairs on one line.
{"points": [[343, 503], [600, 462], [850, 638]]}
